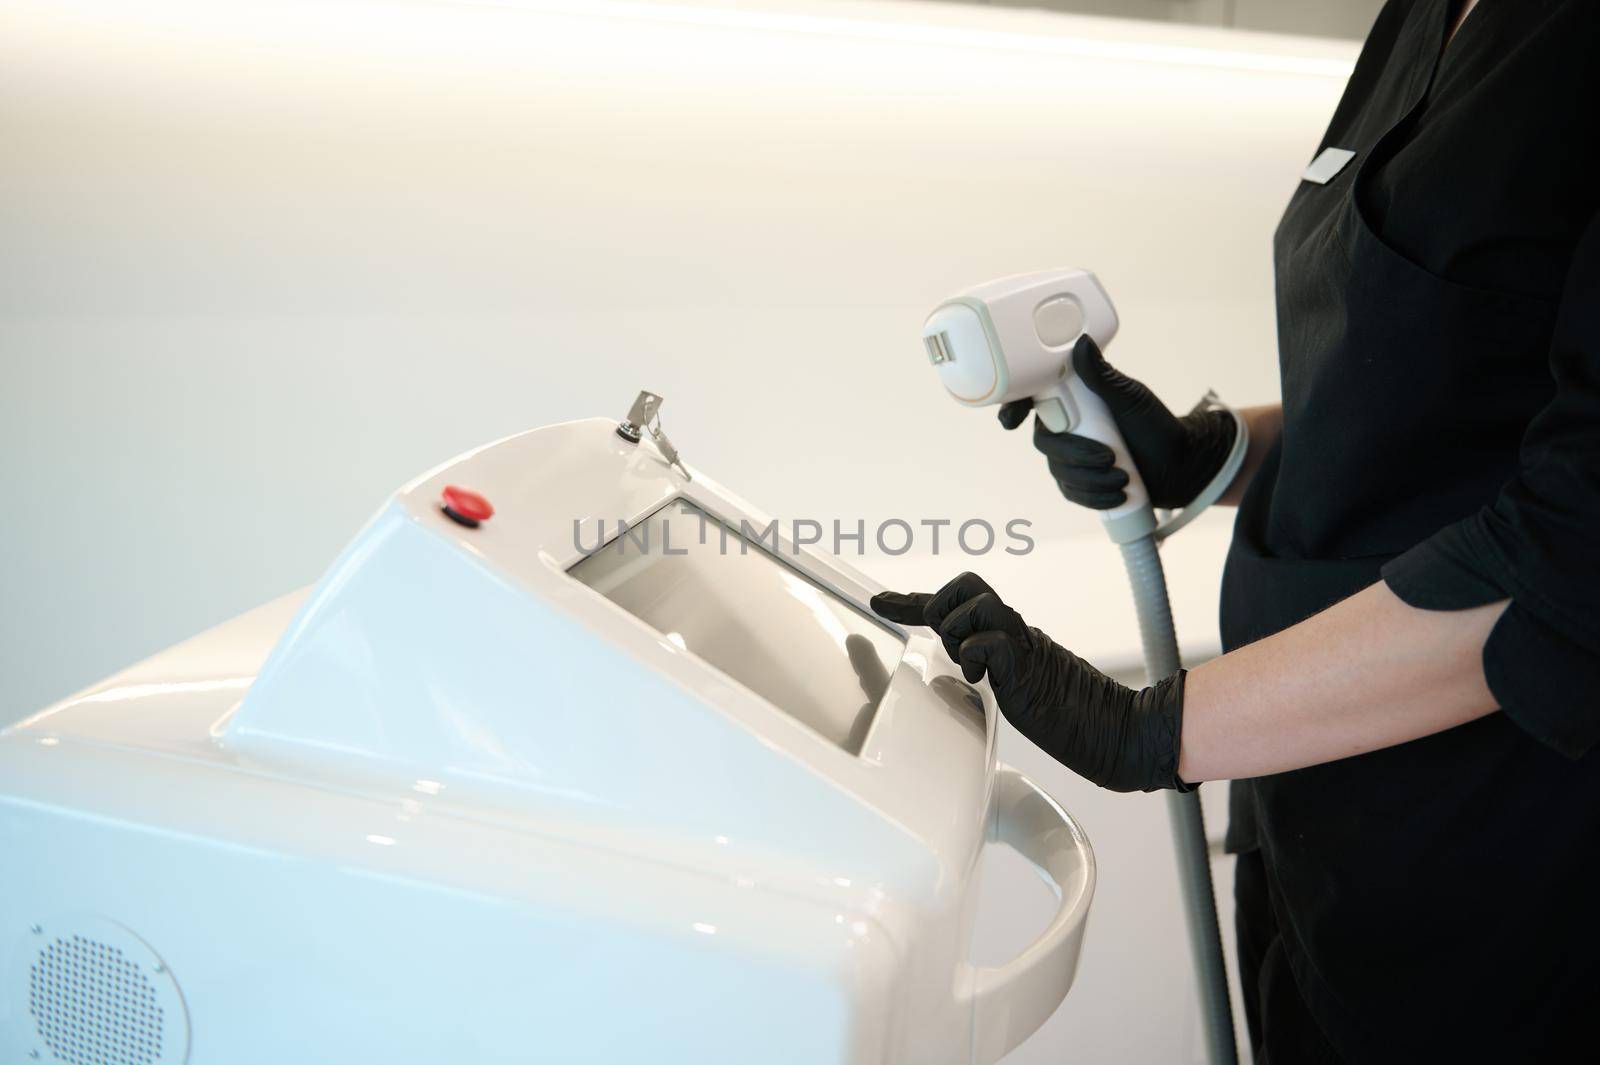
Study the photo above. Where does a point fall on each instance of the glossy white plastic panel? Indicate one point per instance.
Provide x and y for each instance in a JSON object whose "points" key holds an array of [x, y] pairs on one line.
{"points": [[388, 924], [403, 928], [1014, 999], [430, 648], [717, 594], [472, 810]]}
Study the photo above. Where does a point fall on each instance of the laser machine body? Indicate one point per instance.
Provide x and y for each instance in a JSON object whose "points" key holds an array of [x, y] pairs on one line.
{"points": [[581, 765]]}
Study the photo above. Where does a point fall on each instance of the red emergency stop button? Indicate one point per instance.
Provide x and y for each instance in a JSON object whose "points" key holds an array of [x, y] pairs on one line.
{"points": [[466, 507]]}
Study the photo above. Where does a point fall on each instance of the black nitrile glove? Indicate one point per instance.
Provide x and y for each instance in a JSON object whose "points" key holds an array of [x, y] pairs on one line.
{"points": [[1118, 738], [1176, 456]]}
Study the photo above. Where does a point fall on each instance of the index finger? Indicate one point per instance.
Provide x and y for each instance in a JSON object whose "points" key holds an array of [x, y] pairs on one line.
{"points": [[1015, 413], [904, 608]]}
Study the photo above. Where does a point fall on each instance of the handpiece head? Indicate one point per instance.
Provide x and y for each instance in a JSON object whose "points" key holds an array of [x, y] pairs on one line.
{"points": [[1013, 338]]}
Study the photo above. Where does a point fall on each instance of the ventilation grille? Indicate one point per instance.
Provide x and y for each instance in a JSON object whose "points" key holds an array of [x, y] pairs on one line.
{"points": [[93, 1005]]}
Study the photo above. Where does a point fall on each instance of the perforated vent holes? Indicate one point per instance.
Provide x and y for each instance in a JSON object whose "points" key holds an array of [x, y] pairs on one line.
{"points": [[93, 1005], [84, 989]]}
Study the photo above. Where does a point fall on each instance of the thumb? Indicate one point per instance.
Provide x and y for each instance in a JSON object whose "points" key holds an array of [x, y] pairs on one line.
{"points": [[991, 652], [1121, 393]]}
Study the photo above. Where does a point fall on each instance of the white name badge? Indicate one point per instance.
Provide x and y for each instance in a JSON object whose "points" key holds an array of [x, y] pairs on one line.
{"points": [[1326, 166]]}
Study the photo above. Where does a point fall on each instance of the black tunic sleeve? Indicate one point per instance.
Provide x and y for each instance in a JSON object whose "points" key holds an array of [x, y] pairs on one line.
{"points": [[1538, 543]]}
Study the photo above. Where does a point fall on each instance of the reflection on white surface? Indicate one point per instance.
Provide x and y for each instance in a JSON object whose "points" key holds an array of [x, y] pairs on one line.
{"points": [[144, 691], [726, 599]]}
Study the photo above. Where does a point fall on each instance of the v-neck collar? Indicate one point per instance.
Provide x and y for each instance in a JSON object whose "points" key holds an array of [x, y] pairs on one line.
{"points": [[1433, 32], [1456, 23]]}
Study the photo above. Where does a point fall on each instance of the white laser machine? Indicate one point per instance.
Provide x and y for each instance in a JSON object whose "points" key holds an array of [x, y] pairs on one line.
{"points": [[588, 763], [1012, 339]]}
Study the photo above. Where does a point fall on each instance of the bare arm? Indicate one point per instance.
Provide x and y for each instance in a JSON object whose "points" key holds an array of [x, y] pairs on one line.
{"points": [[1367, 673], [1265, 425]]}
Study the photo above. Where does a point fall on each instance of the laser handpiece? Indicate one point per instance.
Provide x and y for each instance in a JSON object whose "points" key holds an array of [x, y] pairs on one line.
{"points": [[1012, 339]]}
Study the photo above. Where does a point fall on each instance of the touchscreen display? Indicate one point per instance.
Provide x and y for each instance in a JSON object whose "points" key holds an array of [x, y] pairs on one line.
{"points": [[730, 600]]}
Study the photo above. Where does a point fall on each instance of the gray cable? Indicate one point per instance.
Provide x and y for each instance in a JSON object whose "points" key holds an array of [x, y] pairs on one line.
{"points": [[1160, 642]]}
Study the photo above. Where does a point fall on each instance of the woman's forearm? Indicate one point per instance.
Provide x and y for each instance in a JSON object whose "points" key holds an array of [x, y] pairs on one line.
{"points": [[1366, 673], [1265, 425]]}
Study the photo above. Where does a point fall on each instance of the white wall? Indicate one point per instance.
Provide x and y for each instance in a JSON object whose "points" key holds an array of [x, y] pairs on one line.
{"points": [[259, 263]]}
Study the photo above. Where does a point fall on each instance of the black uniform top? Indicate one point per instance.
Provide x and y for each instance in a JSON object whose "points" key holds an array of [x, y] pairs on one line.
{"points": [[1439, 345]]}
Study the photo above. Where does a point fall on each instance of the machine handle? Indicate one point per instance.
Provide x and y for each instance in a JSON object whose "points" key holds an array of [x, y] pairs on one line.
{"points": [[1011, 1001], [1071, 407]]}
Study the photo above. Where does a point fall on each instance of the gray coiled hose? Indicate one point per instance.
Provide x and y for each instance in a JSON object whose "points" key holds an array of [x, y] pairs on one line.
{"points": [[1160, 641]]}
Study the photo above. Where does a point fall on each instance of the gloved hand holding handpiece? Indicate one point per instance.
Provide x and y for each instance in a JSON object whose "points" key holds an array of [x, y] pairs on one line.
{"points": [[1177, 457]]}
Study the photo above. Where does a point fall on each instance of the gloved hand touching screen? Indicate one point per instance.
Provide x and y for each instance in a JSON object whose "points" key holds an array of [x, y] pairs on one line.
{"points": [[1177, 456], [1118, 738]]}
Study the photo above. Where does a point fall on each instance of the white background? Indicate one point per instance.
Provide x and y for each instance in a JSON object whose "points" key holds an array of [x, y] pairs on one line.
{"points": [[1333, 18], [259, 264]]}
